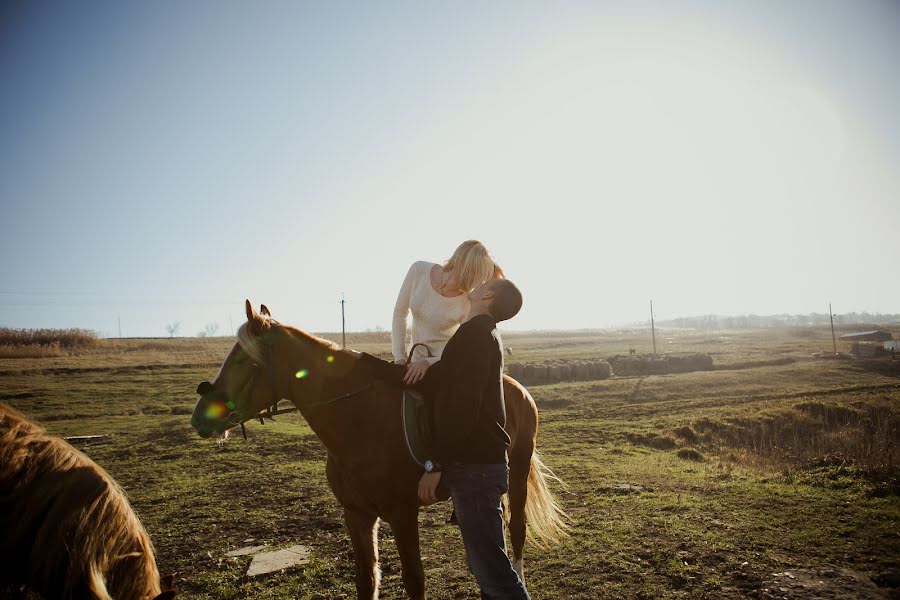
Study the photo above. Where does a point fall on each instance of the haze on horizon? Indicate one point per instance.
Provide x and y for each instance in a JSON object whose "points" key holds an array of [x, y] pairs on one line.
{"points": [[161, 162]]}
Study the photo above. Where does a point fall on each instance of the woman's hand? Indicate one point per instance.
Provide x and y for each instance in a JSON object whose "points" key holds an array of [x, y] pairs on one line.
{"points": [[415, 371]]}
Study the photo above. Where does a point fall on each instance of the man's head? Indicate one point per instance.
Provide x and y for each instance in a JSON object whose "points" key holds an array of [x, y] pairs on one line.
{"points": [[499, 298]]}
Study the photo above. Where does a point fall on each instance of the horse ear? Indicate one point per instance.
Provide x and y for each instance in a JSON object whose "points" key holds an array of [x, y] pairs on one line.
{"points": [[264, 310], [253, 318]]}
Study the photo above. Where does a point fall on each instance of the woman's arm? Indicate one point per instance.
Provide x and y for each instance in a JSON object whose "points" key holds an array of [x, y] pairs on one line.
{"points": [[401, 310]]}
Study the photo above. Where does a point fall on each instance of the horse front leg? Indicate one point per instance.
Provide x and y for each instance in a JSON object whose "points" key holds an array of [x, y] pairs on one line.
{"points": [[405, 524], [363, 530]]}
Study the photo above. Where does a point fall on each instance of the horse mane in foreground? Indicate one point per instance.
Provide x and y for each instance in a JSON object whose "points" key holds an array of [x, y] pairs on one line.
{"points": [[68, 529]]}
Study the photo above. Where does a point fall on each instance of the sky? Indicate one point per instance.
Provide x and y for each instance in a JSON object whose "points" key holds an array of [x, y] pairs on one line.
{"points": [[162, 161]]}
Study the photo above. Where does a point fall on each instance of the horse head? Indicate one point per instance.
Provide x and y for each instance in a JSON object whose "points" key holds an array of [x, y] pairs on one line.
{"points": [[245, 383]]}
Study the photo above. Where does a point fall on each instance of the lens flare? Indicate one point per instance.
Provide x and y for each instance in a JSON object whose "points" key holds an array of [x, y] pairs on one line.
{"points": [[230, 405], [215, 410], [301, 373], [329, 359]]}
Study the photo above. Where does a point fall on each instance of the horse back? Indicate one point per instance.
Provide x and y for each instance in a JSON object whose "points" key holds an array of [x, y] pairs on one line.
{"points": [[521, 418]]}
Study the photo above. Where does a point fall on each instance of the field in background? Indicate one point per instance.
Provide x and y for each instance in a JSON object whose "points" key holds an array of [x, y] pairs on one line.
{"points": [[699, 485]]}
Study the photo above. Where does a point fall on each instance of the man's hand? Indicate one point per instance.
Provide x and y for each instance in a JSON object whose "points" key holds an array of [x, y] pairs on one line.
{"points": [[428, 487], [415, 371]]}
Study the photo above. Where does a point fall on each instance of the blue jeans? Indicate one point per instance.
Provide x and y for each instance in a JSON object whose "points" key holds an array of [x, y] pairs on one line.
{"points": [[476, 491]]}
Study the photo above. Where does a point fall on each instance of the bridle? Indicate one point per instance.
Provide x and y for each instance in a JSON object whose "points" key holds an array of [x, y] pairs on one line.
{"points": [[272, 409]]}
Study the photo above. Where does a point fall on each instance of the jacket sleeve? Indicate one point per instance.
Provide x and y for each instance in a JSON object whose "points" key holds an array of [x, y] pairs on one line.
{"points": [[401, 310], [465, 373]]}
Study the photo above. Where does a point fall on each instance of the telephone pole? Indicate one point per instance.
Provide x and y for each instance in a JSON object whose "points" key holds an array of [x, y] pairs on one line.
{"points": [[653, 328], [120, 326], [343, 323], [831, 316]]}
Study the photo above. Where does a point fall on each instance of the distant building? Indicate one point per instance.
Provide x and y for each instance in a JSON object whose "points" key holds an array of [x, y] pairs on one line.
{"points": [[868, 343], [877, 335]]}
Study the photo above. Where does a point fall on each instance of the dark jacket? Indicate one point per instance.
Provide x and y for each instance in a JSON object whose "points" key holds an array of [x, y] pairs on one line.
{"points": [[469, 414], [465, 390]]}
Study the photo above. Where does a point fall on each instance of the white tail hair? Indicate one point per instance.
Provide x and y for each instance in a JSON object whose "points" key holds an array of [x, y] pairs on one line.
{"points": [[547, 521]]}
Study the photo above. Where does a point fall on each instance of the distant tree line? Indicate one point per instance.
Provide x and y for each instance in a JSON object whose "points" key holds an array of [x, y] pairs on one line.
{"points": [[784, 320]]}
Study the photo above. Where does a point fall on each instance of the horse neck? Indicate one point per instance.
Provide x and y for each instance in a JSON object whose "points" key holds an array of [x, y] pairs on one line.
{"points": [[335, 424]]}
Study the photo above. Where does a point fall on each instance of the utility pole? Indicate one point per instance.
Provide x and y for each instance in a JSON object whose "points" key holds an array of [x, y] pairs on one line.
{"points": [[831, 316], [653, 328], [343, 323], [230, 325], [120, 326]]}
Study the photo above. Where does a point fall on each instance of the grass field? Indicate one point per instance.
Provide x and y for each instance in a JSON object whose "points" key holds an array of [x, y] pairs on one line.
{"points": [[749, 481]]}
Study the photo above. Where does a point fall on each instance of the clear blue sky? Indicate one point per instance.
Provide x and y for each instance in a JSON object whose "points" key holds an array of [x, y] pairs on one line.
{"points": [[162, 161]]}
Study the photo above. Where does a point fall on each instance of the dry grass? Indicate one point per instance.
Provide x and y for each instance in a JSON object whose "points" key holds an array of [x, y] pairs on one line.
{"points": [[30, 351], [61, 338], [864, 435]]}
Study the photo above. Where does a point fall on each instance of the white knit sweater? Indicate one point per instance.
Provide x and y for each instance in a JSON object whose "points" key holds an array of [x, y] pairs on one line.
{"points": [[435, 317]]}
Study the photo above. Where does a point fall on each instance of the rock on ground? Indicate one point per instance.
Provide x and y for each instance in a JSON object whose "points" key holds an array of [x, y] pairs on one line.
{"points": [[269, 562]]}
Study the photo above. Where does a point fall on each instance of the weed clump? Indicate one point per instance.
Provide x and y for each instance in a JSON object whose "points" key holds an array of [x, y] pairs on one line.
{"points": [[689, 454], [687, 434], [651, 440]]}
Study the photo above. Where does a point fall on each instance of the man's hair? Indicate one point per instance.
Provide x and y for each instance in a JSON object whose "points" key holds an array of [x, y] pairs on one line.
{"points": [[507, 300]]}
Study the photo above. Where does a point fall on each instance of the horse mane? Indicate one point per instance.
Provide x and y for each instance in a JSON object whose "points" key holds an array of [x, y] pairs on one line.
{"points": [[68, 529], [253, 347]]}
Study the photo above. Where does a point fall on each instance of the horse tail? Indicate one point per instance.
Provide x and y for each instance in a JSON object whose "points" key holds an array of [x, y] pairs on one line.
{"points": [[546, 519]]}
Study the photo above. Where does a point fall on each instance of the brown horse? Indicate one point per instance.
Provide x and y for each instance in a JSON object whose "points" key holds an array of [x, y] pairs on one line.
{"points": [[68, 530], [358, 419]]}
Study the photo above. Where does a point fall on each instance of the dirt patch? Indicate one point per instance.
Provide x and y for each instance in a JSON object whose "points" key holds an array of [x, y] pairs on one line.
{"points": [[826, 582]]}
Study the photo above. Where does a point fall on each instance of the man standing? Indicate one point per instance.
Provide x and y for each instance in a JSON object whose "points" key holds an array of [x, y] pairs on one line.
{"points": [[470, 441]]}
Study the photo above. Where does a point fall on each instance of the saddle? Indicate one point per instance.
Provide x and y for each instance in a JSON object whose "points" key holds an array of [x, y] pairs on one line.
{"points": [[417, 430], [417, 426], [416, 413]]}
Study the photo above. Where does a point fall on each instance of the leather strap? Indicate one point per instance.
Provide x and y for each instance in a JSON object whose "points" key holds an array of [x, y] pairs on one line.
{"points": [[413, 349]]}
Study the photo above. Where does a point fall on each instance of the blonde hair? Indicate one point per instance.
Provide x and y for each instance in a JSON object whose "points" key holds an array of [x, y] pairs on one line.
{"points": [[473, 265]]}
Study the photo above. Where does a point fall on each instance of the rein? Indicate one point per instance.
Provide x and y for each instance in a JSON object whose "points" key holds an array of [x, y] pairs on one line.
{"points": [[272, 410]]}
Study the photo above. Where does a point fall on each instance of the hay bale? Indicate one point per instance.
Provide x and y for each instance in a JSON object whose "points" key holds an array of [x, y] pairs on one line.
{"points": [[604, 369], [516, 370], [554, 372], [565, 372], [528, 372], [579, 371], [540, 372]]}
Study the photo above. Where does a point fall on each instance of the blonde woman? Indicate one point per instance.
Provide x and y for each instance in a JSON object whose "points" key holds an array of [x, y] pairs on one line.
{"points": [[437, 297]]}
